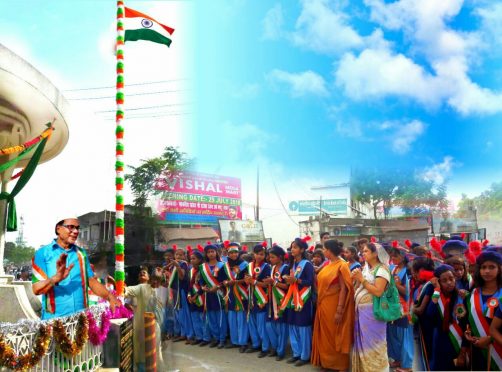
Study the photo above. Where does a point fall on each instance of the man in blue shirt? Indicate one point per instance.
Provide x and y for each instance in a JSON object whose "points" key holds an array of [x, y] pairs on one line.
{"points": [[62, 273]]}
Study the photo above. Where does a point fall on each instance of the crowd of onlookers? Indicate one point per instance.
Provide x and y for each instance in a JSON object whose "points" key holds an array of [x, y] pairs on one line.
{"points": [[19, 272]]}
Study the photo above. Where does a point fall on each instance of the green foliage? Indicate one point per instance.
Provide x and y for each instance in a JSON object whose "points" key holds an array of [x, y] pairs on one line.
{"points": [[488, 204], [18, 254], [144, 177], [396, 188]]}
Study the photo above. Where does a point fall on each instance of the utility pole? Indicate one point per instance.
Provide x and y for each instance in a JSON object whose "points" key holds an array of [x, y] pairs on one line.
{"points": [[257, 213]]}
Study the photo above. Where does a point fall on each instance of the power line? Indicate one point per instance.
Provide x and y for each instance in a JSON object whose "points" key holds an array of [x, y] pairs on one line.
{"points": [[128, 95], [151, 116], [145, 108], [153, 113], [280, 200], [129, 85]]}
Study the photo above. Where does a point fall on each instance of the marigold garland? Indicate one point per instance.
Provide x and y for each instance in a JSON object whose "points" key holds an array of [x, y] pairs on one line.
{"points": [[9, 358], [13, 149], [63, 342], [97, 335]]}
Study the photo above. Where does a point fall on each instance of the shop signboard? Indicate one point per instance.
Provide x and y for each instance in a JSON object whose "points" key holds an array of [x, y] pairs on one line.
{"points": [[198, 198]]}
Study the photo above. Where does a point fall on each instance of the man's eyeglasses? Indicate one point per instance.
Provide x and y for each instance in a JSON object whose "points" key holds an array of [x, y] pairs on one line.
{"points": [[72, 227]]}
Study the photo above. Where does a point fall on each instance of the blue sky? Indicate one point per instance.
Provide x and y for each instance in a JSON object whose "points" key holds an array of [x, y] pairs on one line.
{"points": [[305, 89], [329, 84]]}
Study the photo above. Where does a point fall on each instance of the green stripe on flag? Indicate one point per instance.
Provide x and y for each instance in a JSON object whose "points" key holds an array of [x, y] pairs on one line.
{"points": [[146, 34]]}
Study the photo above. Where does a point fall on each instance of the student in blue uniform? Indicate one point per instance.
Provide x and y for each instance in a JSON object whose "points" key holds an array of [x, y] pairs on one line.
{"points": [[463, 279], [481, 305], [258, 270], [350, 255], [179, 269], [195, 296], [299, 298], [215, 320], [422, 270], [444, 312], [276, 326], [236, 294]]}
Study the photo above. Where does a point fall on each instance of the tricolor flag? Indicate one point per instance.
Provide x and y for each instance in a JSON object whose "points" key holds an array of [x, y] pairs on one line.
{"points": [[139, 26]]}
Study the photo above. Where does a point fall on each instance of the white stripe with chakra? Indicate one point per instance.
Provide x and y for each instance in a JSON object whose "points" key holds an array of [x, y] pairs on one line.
{"points": [[140, 23]]}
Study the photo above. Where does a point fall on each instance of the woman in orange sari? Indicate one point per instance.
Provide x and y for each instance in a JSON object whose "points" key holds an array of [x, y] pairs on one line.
{"points": [[333, 329]]}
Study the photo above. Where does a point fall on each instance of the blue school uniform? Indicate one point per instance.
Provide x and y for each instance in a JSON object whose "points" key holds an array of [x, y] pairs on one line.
{"points": [[258, 313], [444, 349], [237, 308], [182, 312], [400, 342], [276, 326], [215, 319], [300, 322], [196, 310], [423, 326]]}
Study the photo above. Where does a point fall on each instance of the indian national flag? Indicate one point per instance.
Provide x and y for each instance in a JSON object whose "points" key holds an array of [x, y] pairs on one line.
{"points": [[139, 26]]}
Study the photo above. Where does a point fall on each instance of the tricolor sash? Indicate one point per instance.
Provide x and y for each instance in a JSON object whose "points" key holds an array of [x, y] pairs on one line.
{"points": [[81, 254], [39, 275], [238, 289], [174, 278], [295, 297], [195, 288], [260, 293], [480, 326], [455, 333], [209, 275], [276, 294], [471, 281]]}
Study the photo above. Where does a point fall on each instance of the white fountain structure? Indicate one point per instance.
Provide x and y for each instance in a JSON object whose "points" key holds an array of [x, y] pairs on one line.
{"points": [[28, 101]]}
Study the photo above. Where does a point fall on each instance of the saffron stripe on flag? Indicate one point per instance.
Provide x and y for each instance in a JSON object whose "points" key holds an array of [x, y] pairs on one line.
{"points": [[131, 13]]}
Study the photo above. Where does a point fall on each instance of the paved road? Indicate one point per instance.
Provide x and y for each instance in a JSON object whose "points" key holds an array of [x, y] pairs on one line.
{"points": [[181, 357]]}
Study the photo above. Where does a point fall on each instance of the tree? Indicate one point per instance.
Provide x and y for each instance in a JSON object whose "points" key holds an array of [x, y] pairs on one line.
{"points": [[18, 254], [487, 205], [396, 188], [372, 186], [144, 177]]}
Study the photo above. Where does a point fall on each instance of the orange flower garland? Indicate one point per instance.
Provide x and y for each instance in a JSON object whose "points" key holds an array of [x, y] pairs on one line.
{"points": [[63, 342], [9, 358]]}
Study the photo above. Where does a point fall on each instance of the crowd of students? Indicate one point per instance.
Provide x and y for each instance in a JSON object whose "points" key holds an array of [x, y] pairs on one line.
{"points": [[320, 302]]}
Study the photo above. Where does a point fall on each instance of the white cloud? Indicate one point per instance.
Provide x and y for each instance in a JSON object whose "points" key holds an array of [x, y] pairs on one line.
{"points": [[440, 172], [377, 73], [250, 141], [380, 72], [273, 22], [491, 17], [301, 84], [323, 28], [405, 135]]}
